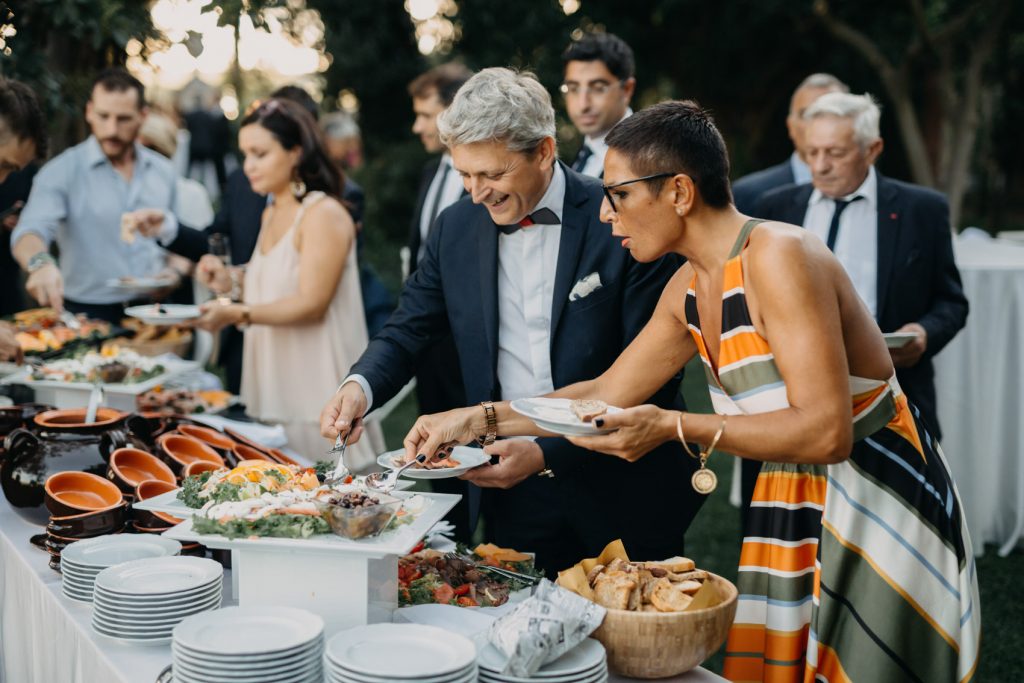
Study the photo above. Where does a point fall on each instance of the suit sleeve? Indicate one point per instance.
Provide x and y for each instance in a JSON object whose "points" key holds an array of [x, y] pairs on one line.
{"points": [[947, 314], [190, 243], [420, 320], [643, 287]]}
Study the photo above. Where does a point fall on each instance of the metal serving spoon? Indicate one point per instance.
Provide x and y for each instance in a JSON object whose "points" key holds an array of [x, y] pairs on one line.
{"points": [[385, 481]]}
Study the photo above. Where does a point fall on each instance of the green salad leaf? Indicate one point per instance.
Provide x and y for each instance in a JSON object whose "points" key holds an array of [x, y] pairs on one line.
{"points": [[280, 526], [190, 488]]}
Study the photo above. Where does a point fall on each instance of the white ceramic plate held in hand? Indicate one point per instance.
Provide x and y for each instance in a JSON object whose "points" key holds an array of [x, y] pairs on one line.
{"points": [[467, 457], [555, 415], [897, 340], [163, 314]]}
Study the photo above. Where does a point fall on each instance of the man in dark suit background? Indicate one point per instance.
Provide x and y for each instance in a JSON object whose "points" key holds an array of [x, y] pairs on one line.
{"points": [[597, 83], [893, 238], [748, 189], [505, 270]]}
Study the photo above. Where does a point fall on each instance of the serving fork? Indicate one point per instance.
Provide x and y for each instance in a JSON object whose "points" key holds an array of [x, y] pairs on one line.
{"points": [[499, 571]]}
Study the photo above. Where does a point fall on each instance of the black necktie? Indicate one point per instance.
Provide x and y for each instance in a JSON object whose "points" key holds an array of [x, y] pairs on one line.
{"points": [[436, 204], [833, 228], [538, 217], [581, 158]]}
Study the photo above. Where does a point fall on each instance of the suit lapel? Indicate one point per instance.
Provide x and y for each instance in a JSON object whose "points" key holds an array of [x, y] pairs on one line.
{"points": [[888, 238], [796, 211], [570, 246], [487, 244]]}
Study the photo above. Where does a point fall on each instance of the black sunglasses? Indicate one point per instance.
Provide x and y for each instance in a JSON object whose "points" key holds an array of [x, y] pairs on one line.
{"points": [[608, 188]]}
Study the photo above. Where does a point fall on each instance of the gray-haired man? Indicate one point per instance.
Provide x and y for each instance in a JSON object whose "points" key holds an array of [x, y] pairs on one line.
{"points": [[503, 269]]}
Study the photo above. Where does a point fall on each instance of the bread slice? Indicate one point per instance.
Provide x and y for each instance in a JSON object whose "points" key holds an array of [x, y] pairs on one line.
{"points": [[668, 597], [587, 409], [676, 564], [614, 590]]}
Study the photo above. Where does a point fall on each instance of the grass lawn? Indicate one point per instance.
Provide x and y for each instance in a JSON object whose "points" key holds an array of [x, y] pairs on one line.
{"points": [[714, 542]]}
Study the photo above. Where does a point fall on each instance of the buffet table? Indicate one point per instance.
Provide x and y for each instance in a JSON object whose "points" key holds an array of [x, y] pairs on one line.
{"points": [[980, 392], [44, 637]]}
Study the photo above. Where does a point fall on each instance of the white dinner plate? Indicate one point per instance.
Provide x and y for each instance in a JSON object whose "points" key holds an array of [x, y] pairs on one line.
{"points": [[119, 602], [597, 677], [170, 616], [897, 340], [132, 640], [294, 670], [427, 651], [555, 415], [139, 284], [249, 630], [159, 576], [244, 665], [221, 661], [345, 676], [106, 551], [166, 314], [585, 658], [467, 457], [72, 594]]}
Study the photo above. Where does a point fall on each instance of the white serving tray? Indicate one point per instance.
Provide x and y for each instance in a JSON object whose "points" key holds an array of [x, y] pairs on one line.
{"points": [[397, 542], [76, 394]]}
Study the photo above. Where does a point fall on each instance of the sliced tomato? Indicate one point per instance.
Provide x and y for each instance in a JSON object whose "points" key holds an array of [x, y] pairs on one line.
{"points": [[418, 547], [462, 590], [466, 601], [444, 594]]}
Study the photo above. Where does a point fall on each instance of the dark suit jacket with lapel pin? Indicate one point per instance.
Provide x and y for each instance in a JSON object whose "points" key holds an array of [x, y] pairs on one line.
{"points": [[750, 188], [918, 280], [594, 498]]}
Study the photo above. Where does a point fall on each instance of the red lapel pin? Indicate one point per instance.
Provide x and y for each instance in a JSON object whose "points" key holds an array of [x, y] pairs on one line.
{"points": [[892, 216]]}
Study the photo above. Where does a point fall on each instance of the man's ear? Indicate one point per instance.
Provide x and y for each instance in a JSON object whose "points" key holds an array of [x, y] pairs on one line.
{"points": [[875, 150], [628, 88]]}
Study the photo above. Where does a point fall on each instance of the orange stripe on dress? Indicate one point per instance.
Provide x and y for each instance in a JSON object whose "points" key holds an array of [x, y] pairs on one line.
{"points": [[743, 669], [903, 424], [740, 346], [863, 400], [790, 487], [733, 275], [746, 638], [778, 557], [829, 667]]}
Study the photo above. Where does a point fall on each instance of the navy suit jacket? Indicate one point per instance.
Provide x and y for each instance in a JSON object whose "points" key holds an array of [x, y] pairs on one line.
{"points": [[456, 285], [918, 280], [748, 189]]}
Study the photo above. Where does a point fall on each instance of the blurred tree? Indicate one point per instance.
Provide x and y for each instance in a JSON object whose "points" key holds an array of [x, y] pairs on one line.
{"points": [[59, 45]]}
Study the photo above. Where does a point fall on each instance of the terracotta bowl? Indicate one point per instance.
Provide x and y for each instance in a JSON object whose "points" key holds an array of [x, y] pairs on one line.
{"points": [[129, 467], [180, 450], [139, 528], [663, 644], [193, 550], [74, 418], [166, 519], [152, 488], [72, 493], [209, 436], [243, 453], [280, 456], [144, 518], [198, 467], [89, 524]]}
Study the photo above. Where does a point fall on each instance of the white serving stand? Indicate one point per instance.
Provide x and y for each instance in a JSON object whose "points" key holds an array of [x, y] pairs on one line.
{"points": [[76, 394], [347, 582]]}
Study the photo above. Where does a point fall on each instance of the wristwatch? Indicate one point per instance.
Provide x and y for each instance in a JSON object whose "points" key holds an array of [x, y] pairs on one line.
{"points": [[246, 319], [492, 424], [39, 260]]}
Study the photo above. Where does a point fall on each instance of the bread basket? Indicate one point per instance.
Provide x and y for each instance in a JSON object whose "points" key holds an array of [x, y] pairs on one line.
{"points": [[662, 644]]}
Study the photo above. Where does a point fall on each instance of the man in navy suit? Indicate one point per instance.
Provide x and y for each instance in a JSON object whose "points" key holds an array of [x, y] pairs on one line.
{"points": [[503, 269], [893, 238], [748, 189]]}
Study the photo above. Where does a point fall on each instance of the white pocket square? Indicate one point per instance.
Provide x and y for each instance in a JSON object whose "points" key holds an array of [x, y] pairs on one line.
{"points": [[585, 287]]}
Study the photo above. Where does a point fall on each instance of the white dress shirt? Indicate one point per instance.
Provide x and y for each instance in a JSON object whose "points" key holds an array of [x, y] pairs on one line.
{"points": [[801, 171], [857, 240], [451, 191], [595, 164], [527, 263]]}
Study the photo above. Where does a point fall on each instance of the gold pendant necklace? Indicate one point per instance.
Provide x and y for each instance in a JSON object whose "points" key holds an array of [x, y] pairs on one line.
{"points": [[704, 481]]}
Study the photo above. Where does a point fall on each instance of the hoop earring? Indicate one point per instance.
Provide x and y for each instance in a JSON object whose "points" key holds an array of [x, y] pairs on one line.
{"points": [[298, 186]]}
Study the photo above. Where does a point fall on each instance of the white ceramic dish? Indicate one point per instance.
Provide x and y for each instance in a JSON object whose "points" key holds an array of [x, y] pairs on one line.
{"points": [[897, 340], [159, 576], [585, 659], [467, 457], [249, 630], [139, 284], [106, 551], [555, 415], [164, 600], [427, 651], [165, 314], [222, 661]]}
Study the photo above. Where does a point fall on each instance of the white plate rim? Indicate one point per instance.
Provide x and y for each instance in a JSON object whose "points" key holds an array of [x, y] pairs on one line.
{"points": [[589, 649], [97, 544], [204, 570], [147, 313], [298, 668], [116, 602], [309, 626], [568, 428], [464, 651], [459, 453]]}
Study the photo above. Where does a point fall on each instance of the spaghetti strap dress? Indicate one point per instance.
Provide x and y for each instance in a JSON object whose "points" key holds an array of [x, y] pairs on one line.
{"points": [[857, 571]]}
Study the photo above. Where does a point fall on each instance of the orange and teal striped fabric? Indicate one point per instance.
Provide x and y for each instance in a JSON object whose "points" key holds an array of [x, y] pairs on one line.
{"points": [[860, 571]]}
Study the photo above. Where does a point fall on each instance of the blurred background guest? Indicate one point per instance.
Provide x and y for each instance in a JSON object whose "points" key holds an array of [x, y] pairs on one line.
{"points": [[192, 203], [22, 141], [598, 84], [344, 142], [300, 305], [91, 200]]}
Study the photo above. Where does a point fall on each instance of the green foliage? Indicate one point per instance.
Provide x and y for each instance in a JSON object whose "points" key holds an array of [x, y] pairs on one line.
{"points": [[280, 526], [190, 488]]}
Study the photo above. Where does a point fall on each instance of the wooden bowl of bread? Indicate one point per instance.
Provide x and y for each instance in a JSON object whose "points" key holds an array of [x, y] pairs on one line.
{"points": [[664, 618]]}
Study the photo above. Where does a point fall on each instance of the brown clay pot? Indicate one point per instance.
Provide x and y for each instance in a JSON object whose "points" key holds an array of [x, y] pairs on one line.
{"points": [[243, 452], [179, 450], [89, 524], [74, 493], [198, 467], [129, 467], [211, 437]]}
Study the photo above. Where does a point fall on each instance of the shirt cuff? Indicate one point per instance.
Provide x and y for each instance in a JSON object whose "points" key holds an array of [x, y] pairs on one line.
{"points": [[169, 230], [365, 386]]}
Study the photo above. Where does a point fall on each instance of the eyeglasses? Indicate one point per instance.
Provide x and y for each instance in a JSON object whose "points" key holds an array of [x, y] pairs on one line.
{"points": [[608, 188], [597, 88]]}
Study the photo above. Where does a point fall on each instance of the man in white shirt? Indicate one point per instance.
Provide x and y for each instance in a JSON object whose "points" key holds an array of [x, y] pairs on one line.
{"points": [[893, 238], [597, 84], [537, 295]]}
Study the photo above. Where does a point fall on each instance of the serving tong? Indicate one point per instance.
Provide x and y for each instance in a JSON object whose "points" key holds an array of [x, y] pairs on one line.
{"points": [[498, 571]]}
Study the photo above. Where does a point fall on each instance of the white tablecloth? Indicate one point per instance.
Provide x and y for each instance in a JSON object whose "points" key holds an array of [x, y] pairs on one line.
{"points": [[46, 638], [980, 391]]}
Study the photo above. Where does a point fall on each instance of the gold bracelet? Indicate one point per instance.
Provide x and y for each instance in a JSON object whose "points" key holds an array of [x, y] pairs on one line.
{"points": [[682, 438], [703, 480], [492, 424]]}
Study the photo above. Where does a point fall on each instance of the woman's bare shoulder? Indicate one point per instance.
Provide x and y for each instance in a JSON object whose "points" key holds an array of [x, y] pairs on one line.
{"points": [[781, 247], [330, 215]]}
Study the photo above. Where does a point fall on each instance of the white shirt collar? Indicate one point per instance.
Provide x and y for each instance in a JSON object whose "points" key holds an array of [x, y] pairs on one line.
{"points": [[446, 158], [868, 190], [554, 196], [801, 171], [596, 142]]}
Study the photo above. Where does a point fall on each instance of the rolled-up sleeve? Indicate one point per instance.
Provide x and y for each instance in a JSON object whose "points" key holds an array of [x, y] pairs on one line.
{"points": [[47, 203]]}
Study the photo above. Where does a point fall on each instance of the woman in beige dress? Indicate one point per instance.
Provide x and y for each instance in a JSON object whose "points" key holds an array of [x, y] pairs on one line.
{"points": [[298, 299]]}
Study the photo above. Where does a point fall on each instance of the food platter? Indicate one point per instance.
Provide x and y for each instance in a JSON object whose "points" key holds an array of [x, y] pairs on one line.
{"points": [[467, 457], [556, 415], [164, 314], [139, 284]]}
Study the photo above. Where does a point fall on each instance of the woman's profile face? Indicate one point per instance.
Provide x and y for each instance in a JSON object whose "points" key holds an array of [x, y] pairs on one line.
{"points": [[268, 166], [645, 222]]}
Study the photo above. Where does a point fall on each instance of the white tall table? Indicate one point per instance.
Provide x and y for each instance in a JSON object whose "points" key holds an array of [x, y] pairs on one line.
{"points": [[979, 381]]}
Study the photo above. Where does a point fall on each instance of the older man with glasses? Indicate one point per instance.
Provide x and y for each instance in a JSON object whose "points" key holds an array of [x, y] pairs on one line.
{"points": [[597, 84], [536, 296]]}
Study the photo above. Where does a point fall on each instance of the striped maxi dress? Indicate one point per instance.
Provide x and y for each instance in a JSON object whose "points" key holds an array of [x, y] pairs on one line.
{"points": [[859, 571]]}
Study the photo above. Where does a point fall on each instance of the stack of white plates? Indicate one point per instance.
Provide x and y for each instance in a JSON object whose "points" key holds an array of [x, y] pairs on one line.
{"points": [[249, 645], [400, 652], [143, 600], [586, 663], [83, 560]]}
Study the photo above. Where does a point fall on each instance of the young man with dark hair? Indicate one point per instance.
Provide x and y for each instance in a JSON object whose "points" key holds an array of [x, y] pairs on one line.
{"points": [[598, 84]]}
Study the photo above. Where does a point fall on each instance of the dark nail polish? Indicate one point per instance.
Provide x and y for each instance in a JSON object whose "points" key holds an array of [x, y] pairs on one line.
{"points": [[421, 457], [599, 422]]}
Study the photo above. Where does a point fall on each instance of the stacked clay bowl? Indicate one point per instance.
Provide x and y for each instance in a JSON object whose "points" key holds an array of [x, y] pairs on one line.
{"points": [[82, 505], [179, 451], [129, 467]]}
